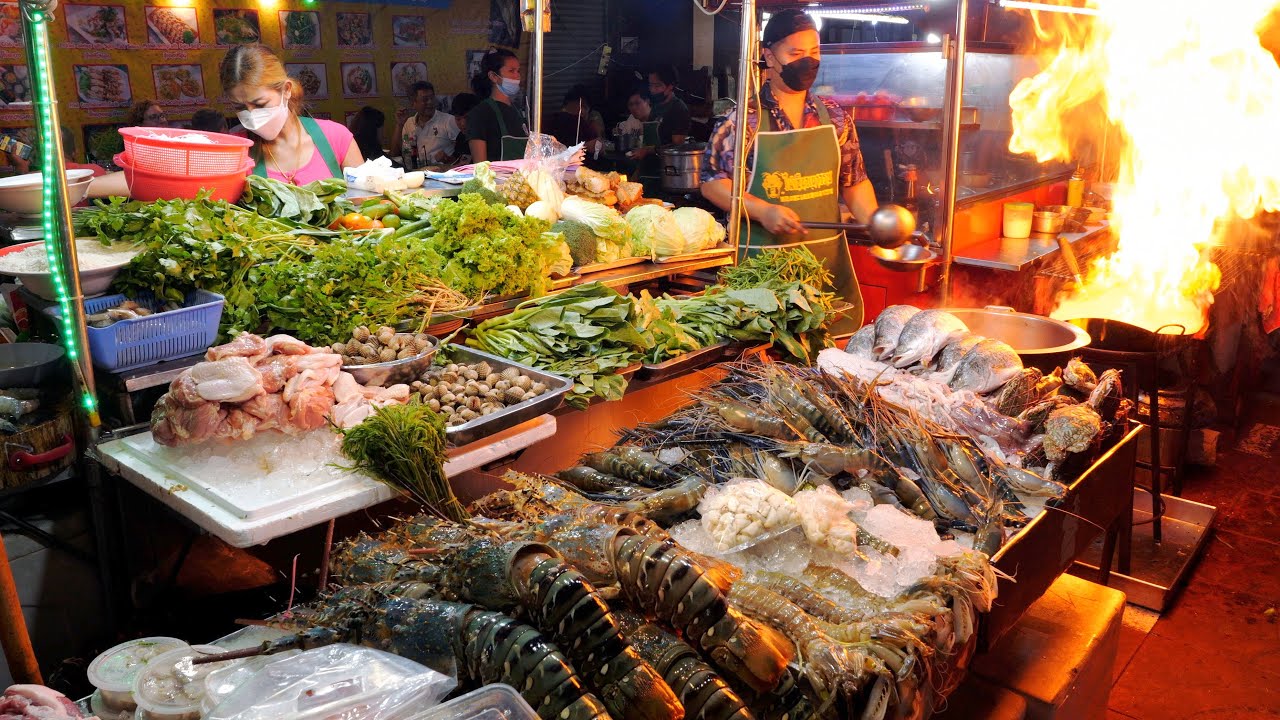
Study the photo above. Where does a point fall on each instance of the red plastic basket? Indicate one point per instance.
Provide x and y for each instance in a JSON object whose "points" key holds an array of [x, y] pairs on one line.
{"points": [[148, 186], [165, 155]]}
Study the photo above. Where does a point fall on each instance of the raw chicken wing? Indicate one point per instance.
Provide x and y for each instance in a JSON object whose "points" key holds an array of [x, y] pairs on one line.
{"points": [[231, 380]]}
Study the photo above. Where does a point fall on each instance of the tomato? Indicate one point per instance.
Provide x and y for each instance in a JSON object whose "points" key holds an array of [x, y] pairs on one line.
{"points": [[376, 225], [355, 221], [391, 221]]}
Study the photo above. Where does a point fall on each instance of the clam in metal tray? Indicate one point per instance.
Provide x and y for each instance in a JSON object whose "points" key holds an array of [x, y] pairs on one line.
{"points": [[511, 415], [396, 371]]}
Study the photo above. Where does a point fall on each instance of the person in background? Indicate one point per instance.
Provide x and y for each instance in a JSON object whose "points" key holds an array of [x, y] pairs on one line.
{"points": [[639, 108], [461, 105], [669, 109], [68, 151], [495, 128], [146, 113], [366, 128], [803, 156], [572, 123], [429, 136], [208, 120]]}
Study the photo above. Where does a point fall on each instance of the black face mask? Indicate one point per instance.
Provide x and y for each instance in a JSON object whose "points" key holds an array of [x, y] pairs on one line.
{"points": [[799, 75]]}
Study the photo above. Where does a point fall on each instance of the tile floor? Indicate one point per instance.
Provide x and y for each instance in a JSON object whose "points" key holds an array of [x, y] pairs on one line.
{"points": [[1216, 654]]}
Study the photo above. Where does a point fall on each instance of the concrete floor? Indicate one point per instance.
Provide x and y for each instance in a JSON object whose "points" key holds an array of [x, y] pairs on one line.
{"points": [[1216, 654]]}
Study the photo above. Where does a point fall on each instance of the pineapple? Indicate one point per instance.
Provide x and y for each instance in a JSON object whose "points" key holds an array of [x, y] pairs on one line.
{"points": [[518, 191]]}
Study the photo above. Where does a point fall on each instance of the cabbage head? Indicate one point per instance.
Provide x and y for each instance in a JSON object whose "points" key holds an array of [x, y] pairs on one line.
{"points": [[701, 231], [655, 227]]}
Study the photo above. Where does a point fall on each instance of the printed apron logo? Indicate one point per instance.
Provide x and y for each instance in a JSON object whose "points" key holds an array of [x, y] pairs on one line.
{"points": [[790, 187]]}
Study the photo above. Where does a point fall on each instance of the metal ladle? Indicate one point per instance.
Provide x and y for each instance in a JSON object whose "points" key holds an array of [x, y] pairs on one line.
{"points": [[891, 226]]}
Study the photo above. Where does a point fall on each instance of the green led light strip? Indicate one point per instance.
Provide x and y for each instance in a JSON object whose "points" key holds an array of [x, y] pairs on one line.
{"points": [[36, 28]]}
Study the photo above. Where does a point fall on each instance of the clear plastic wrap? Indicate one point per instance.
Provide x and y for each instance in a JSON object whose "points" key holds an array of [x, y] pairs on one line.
{"points": [[335, 682]]}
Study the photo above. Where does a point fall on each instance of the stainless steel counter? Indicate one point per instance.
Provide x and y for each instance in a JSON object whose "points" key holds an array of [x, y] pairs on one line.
{"points": [[1014, 255]]}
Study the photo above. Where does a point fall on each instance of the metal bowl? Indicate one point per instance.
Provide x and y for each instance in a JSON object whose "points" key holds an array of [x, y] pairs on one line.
{"points": [[396, 371], [1041, 342], [904, 257], [27, 364], [1047, 222]]}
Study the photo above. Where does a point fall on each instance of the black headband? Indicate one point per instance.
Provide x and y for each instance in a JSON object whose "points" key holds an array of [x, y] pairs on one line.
{"points": [[784, 23]]}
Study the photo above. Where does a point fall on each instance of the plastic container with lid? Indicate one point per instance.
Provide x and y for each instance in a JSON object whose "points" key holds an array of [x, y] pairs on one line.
{"points": [[491, 702], [114, 671], [171, 686], [1017, 219]]}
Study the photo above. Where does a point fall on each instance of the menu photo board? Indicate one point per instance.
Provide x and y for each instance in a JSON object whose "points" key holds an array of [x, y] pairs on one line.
{"points": [[10, 25], [313, 77], [103, 85], [409, 31], [172, 26], [299, 29], [236, 27], [102, 25], [359, 80], [179, 84], [355, 29]]}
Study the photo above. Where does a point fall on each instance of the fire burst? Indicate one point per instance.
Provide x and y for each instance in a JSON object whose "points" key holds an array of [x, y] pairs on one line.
{"points": [[1195, 99]]}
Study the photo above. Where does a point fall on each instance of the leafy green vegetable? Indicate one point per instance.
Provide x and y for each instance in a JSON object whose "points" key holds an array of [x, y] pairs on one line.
{"points": [[199, 244], [586, 333], [654, 232], [486, 248], [777, 269], [318, 203], [404, 447], [611, 229], [475, 186]]}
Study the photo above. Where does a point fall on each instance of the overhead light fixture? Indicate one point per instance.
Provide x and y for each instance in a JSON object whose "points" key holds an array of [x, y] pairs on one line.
{"points": [[857, 16], [1047, 7]]}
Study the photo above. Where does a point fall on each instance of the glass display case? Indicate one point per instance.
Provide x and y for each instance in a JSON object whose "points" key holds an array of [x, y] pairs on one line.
{"points": [[895, 92]]}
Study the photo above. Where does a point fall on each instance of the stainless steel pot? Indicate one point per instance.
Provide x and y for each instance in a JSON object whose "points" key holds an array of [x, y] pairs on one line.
{"points": [[682, 167], [1041, 342]]}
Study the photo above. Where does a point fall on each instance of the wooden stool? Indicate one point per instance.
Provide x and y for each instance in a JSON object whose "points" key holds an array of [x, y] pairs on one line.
{"points": [[1060, 655]]}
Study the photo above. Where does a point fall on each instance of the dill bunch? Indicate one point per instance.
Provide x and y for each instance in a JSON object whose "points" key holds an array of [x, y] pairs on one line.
{"points": [[404, 447]]}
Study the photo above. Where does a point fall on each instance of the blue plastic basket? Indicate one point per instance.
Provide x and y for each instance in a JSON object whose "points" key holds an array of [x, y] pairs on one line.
{"points": [[130, 344]]}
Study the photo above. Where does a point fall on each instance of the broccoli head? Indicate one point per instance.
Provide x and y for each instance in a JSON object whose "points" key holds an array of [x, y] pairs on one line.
{"points": [[474, 186], [581, 240]]}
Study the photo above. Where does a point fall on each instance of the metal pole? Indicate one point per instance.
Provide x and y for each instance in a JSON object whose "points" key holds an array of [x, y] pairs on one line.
{"points": [[61, 248], [745, 69], [953, 49], [18, 653], [536, 72]]}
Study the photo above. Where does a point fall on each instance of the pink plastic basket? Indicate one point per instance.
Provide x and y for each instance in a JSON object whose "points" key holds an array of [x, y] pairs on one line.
{"points": [[152, 154], [148, 186]]}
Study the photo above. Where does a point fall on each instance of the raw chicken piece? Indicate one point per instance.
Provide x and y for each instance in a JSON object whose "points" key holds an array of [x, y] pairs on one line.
{"points": [[237, 425], [195, 425], [245, 345], [351, 414], [287, 345], [268, 408], [275, 371], [183, 390], [231, 379], [309, 407], [347, 389], [36, 702]]}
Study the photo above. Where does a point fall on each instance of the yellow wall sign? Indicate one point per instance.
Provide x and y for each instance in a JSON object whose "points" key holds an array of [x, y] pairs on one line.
{"points": [[109, 54]]}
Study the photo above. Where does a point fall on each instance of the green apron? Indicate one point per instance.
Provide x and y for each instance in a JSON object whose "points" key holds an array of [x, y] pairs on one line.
{"points": [[322, 146], [512, 147], [801, 170], [649, 169]]}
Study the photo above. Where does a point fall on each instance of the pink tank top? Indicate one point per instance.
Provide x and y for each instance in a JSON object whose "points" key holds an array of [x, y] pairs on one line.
{"points": [[340, 140]]}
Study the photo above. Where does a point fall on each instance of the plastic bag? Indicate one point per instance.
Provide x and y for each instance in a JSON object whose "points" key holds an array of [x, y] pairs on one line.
{"points": [[335, 682]]}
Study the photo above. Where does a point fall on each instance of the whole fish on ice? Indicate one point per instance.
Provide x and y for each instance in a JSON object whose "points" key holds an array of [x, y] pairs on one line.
{"points": [[862, 342], [927, 332], [987, 366], [888, 327]]}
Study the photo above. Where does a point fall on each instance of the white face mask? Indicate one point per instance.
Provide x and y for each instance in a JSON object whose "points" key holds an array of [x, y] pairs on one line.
{"points": [[266, 122]]}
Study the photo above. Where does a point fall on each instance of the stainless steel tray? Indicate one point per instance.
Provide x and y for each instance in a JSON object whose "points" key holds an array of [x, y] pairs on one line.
{"points": [[684, 362], [511, 415]]}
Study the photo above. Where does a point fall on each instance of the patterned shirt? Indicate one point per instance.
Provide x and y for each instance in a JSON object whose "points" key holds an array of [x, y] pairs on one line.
{"points": [[720, 149]]}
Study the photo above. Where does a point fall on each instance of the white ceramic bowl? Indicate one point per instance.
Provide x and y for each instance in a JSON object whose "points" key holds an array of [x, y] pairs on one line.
{"points": [[92, 282], [24, 194]]}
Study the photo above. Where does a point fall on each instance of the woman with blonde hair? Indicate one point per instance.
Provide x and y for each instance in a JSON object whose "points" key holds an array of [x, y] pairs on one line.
{"points": [[288, 145]]}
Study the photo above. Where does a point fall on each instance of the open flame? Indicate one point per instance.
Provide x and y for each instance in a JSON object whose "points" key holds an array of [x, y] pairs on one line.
{"points": [[1193, 102]]}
